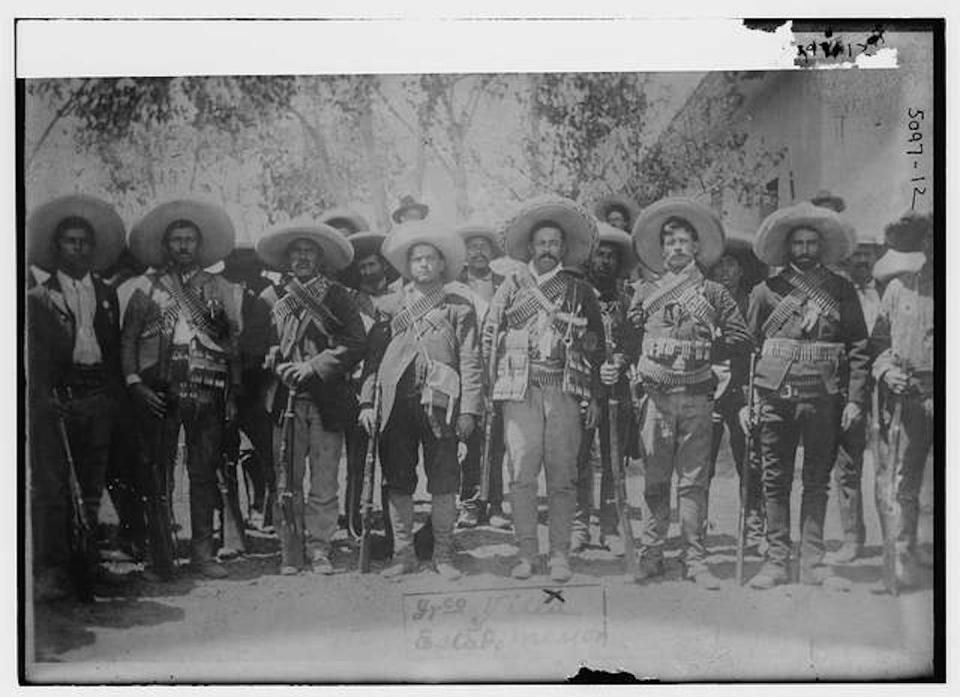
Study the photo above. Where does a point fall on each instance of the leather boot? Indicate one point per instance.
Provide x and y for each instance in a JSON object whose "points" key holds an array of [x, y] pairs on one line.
{"points": [[401, 519], [443, 512]]}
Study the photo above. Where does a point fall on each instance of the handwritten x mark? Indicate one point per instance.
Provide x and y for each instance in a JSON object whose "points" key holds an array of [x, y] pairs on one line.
{"points": [[553, 595]]}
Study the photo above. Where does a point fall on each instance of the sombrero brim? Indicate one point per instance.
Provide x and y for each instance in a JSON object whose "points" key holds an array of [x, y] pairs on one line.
{"points": [[108, 230], [646, 231], [580, 228], [608, 234], [894, 263], [422, 207], [216, 229], [337, 251], [397, 246], [602, 207], [358, 222], [467, 232], [837, 237]]}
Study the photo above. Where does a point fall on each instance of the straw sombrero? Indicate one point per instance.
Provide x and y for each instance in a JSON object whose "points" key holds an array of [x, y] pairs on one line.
{"points": [[409, 203], [837, 237], [216, 228], [608, 234], [337, 216], [646, 230], [108, 230], [579, 226], [404, 236], [470, 230], [337, 251], [604, 205]]}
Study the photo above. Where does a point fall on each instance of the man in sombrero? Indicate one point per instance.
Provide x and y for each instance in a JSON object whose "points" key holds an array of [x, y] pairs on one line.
{"points": [[903, 343], [73, 370], [423, 376], [317, 337], [483, 246], [548, 350], [179, 356], [409, 209], [811, 377], [618, 210], [612, 260], [687, 322]]}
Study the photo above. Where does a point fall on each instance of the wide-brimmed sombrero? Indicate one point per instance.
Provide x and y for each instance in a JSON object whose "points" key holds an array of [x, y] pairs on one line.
{"points": [[397, 246], [337, 251], [409, 203], [337, 217], [827, 199], [646, 230], [108, 230], [608, 234], [216, 229], [579, 227], [366, 243], [626, 204], [488, 232], [837, 237]]}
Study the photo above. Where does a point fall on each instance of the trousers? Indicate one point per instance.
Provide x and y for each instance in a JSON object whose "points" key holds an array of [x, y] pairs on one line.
{"points": [[407, 429], [585, 474], [899, 475], [311, 441], [543, 430], [847, 476], [676, 434], [203, 427], [783, 424]]}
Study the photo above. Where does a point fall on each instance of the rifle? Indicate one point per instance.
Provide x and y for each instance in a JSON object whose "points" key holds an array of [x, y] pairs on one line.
{"points": [[231, 518], [490, 416], [745, 470], [291, 510], [366, 494], [83, 550], [617, 461]]}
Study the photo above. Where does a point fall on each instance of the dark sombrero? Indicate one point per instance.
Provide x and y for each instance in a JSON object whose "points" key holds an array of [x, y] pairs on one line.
{"points": [[108, 230]]}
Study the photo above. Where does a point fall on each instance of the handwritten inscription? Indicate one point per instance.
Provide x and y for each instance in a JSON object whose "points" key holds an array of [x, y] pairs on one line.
{"points": [[915, 149], [830, 47], [508, 619]]}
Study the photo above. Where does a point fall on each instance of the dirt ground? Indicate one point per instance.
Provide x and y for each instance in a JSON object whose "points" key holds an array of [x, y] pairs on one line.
{"points": [[258, 626]]}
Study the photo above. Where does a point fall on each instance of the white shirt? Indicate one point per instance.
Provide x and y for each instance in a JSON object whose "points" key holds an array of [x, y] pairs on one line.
{"points": [[81, 298]]}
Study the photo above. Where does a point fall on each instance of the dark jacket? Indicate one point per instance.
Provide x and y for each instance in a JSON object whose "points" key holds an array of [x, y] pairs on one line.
{"points": [[845, 327], [331, 351], [51, 333]]}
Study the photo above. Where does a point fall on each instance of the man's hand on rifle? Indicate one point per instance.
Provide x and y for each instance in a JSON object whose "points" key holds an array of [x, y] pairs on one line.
{"points": [[610, 370], [293, 374], [852, 413], [465, 425], [592, 416], [149, 399], [895, 379], [368, 420]]}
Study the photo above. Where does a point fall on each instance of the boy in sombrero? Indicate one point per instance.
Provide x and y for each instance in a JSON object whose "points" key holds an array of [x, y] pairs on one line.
{"points": [[423, 374], [73, 353], [687, 323], [179, 356], [317, 337], [811, 377]]}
